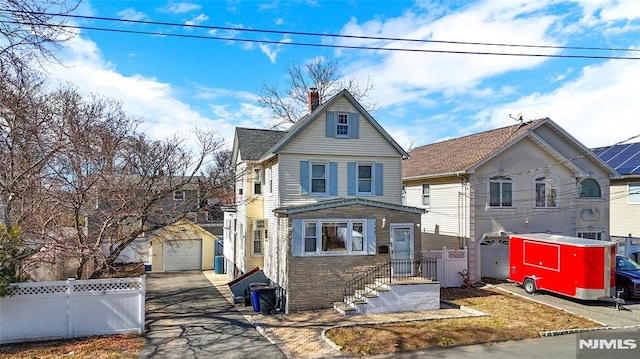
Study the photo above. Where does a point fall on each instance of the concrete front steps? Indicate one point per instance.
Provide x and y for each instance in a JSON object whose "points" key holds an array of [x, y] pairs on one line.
{"points": [[396, 297]]}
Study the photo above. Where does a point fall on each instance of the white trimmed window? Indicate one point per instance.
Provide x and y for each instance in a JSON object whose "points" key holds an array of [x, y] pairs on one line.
{"points": [[590, 235], [319, 178], [342, 125], [334, 237], [365, 178], [546, 192], [178, 195], [500, 191], [257, 181], [426, 194], [633, 189]]}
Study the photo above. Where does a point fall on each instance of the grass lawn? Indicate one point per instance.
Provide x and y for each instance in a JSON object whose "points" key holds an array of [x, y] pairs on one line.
{"points": [[509, 318]]}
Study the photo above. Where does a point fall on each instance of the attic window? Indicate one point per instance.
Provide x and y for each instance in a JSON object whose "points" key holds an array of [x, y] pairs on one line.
{"points": [[589, 188], [342, 125]]}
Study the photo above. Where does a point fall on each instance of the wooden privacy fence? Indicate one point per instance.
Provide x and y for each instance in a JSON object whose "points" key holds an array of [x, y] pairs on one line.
{"points": [[73, 308], [449, 262]]}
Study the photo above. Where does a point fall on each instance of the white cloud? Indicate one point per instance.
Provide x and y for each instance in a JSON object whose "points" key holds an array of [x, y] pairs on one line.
{"points": [[272, 50], [132, 14], [197, 20], [163, 114], [599, 108], [181, 7]]}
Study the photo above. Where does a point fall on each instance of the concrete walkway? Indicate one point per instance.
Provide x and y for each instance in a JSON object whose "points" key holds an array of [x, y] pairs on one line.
{"points": [[187, 317]]}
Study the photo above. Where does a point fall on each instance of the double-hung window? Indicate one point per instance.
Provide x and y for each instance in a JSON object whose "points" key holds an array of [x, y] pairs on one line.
{"points": [[257, 241], [500, 191], [342, 125], [365, 178], [319, 178], [257, 181], [546, 192], [426, 194], [633, 192]]}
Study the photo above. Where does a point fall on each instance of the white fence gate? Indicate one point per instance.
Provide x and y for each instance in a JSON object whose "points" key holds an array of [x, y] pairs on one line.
{"points": [[72, 308], [450, 262]]}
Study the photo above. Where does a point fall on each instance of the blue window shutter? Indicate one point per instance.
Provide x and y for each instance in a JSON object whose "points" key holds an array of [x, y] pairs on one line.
{"points": [[296, 237], [304, 177], [331, 124], [354, 124], [371, 236], [379, 179], [333, 178], [351, 178]]}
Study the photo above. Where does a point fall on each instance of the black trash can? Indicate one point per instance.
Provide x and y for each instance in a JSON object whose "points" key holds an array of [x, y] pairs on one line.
{"points": [[254, 289], [267, 297]]}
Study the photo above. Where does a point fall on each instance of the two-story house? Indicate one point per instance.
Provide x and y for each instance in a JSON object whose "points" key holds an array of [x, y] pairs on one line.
{"points": [[329, 193], [526, 178], [625, 190]]}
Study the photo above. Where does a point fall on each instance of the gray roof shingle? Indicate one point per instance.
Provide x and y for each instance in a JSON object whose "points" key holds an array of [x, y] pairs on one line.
{"points": [[253, 143]]}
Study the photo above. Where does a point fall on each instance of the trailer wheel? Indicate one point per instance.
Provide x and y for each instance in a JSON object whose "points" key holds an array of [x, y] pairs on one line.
{"points": [[529, 286], [624, 291]]}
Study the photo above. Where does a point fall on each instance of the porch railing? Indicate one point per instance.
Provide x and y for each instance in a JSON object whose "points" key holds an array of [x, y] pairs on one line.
{"points": [[388, 272]]}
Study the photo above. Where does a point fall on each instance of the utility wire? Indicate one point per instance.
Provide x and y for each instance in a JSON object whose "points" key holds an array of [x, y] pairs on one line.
{"points": [[310, 44], [316, 34]]}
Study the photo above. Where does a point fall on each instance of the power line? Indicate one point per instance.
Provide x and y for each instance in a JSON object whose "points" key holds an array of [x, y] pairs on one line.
{"points": [[310, 44], [316, 34]]}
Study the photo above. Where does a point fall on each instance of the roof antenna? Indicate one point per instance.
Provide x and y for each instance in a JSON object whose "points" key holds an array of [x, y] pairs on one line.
{"points": [[517, 117]]}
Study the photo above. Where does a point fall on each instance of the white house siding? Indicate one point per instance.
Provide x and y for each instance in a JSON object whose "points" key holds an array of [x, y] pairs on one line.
{"points": [[289, 169], [241, 223], [228, 236], [447, 214], [625, 217], [313, 139]]}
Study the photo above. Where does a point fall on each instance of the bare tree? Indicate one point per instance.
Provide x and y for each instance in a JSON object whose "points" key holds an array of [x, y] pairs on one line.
{"points": [[81, 183], [30, 30], [288, 105]]}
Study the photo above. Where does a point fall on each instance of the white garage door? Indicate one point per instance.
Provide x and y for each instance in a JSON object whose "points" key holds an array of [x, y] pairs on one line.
{"points": [[494, 257], [183, 254]]}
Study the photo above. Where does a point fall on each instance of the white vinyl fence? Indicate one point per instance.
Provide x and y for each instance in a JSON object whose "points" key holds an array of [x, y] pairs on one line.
{"points": [[73, 308], [627, 246], [450, 262]]}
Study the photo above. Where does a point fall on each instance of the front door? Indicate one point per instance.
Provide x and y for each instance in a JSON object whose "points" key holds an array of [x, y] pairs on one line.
{"points": [[401, 249]]}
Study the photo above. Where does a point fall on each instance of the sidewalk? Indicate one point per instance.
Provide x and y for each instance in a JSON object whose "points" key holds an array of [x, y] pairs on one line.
{"points": [[299, 335]]}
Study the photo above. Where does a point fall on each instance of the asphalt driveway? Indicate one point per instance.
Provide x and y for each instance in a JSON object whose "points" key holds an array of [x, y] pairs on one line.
{"points": [[187, 317]]}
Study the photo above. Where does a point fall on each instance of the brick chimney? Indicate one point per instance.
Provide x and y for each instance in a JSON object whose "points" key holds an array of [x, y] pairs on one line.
{"points": [[314, 99]]}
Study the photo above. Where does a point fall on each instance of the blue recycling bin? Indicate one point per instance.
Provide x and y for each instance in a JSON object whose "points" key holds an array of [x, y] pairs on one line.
{"points": [[218, 264], [254, 289]]}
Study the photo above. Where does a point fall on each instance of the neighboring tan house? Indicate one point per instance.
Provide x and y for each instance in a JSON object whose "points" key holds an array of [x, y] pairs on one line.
{"points": [[181, 246], [625, 191], [329, 200], [526, 178]]}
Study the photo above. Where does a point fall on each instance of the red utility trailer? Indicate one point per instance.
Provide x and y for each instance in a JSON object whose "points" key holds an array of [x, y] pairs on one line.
{"points": [[576, 267]]}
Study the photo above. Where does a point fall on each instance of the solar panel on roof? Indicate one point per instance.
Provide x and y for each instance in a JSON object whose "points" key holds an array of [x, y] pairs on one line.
{"points": [[625, 158]]}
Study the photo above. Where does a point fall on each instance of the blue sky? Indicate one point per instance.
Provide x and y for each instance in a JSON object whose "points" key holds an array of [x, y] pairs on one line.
{"points": [[176, 83]]}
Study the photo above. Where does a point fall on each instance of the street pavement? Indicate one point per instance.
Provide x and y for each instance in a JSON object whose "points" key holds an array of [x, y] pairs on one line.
{"points": [[187, 317]]}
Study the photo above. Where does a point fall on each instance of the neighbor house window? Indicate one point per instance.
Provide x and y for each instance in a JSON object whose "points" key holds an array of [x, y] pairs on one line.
{"points": [[342, 125], [404, 195], [634, 192], [257, 241], [319, 178], [334, 237], [590, 235], [426, 195], [178, 195], [257, 181], [589, 188], [546, 192], [500, 191], [365, 179]]}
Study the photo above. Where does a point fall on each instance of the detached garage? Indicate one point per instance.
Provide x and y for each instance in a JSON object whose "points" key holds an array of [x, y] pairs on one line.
{"points": [[182, 246]]}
